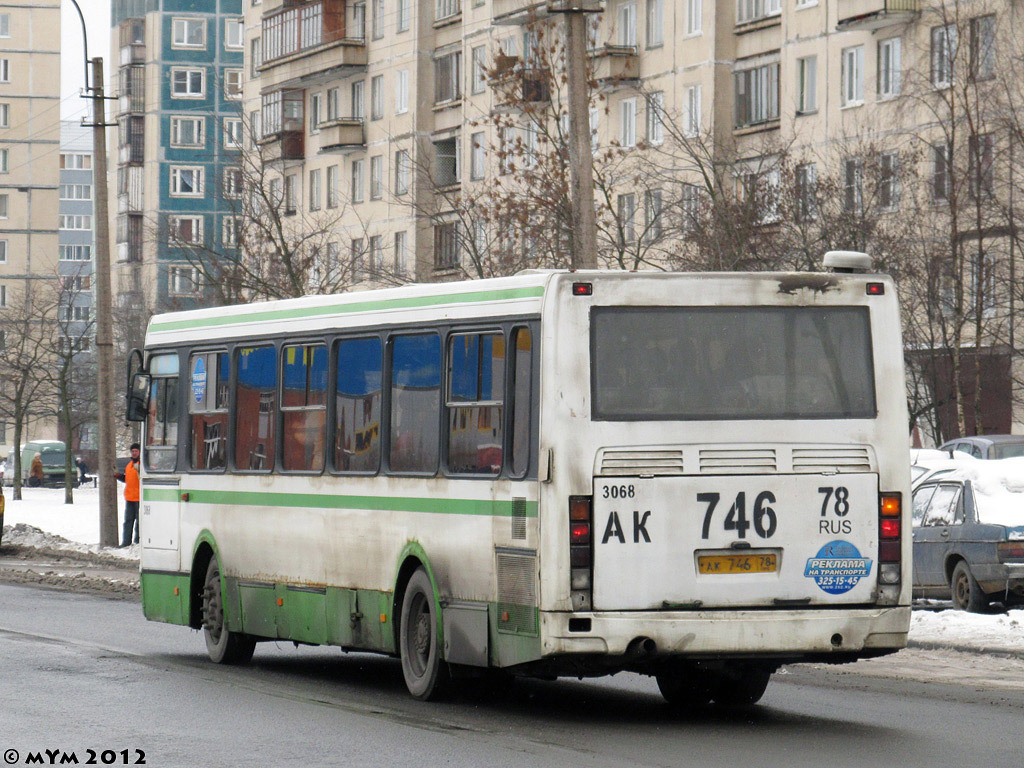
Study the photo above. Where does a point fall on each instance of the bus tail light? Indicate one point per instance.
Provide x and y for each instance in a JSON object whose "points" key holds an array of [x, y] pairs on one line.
{"points": [[890, 522], [581, 564]]}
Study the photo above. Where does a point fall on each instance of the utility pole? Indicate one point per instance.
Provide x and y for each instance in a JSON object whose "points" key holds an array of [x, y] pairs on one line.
{"points": [[104, 324], [581, 161]]}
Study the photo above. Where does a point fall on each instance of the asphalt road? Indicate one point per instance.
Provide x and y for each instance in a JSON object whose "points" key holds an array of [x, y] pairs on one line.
{"points": [[81, 672]]}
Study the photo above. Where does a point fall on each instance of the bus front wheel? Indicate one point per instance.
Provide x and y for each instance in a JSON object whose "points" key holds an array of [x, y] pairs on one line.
{"points": [[223, 645], [426, 674]]}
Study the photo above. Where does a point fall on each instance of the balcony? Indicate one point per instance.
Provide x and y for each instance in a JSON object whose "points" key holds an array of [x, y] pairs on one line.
{"points": [[133, 54], [342, 135], [283, 145], [874, 14], [520, 87], [615, 66], [311, 28], [132, 93]]}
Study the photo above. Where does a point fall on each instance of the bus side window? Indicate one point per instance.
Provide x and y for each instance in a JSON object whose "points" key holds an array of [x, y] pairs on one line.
{"points": [[476, 394], [208, 410], [304, 407], [522, 409], [415, 403], [162, 422], [358, 405], [255, 408]]}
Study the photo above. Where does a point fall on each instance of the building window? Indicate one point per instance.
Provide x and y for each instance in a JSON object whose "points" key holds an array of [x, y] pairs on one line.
{"points": [[446, 77], [74, 221], [76, 191], [183, 281], [3, 252], [626, 18], [377, 97], [983, 47], [232, 183], [255, 56], [188, 33], [655, 22], [233, 133], [356, 258], [403, 171], [691, 116], [359, 100], [942, 160], [853, 76], [943, 55], [187, 131], [980, 148], [376, 177], [314, 189], [653, 207], [446, 162], [333, 105], [806, 192], [757, 95], [377, 22], [3, 300], [401, 91], [357, 29], [291, 194], [233, 84], [807, 85], [401, 253], [446, 245], [445, 9], [5, 25], [75, 162], [314, 113], [477, 156], [332, 186], [5, 115], [5, 70], [4, 199], [655, 118], [186, 181], [694, 12], [404, 15], [627, 122], [888, 182], [478, 76], [853, 198], [627, 214], [751, 10], [889, 68], [75, 252], [185, 230], [231, 231], [358, 182], [234, 32], [188, 83], [376, 255]]}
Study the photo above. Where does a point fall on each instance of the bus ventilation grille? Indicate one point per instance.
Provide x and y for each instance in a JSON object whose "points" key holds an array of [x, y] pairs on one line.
{"points": [[519, 519], [738, 461], [642, 462], [831, 460], [517, 592]]}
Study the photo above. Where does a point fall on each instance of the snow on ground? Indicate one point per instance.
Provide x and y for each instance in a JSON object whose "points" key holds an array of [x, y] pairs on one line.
{"points": [[77, 527]]}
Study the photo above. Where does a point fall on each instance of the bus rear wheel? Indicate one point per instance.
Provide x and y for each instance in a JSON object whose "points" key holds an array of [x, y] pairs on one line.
{"points": [[685, 685], [426, 674], [742, 687], [223, 645]]}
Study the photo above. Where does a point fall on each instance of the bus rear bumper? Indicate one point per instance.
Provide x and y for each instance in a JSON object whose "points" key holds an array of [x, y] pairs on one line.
{"points": [[812, 635]]}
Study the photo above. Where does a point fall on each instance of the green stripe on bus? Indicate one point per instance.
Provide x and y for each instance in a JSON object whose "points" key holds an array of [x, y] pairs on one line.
{"points": [[359, 306], [484, 507]]}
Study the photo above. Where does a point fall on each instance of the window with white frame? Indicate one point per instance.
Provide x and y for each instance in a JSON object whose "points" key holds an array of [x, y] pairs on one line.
{"points": [[806, 192], [403, 171], [333, 105], [187, 131], [752, 10], [76, 191], [72, 161], [3, 252], [377, 22], [757, 95], [983, 281], [358, 180], [627, 214], [233, 84], [188, 33], [401, 253], [980, 154], [653, 214], [377, 97], [853, 186], [530, 145], [889, 67], [445, 9], [376, 177], [4, 202], [254, 128], [853, 76], [403, 15], [401, 91], [332, 186], [655, 22], [760, 189], [232, 183], [5, 70], [446, 245], [888, 181], [234, 34], [185, 230], [5, 115], [183, 280], [3, 298], [656, 118], [477, 156], [694, 14], [942, 161], [691, 114], [626, 23], [74, 221], [314, 112], [943, 55], [255, 56], [231, 231], [188, 83], [291, 193], [4, 160], [75, 252], [5, 25], [983, 47], [807, 85], [627, 122], [186, 181], [359, 99], [447, 78], [478, 76], [357, 28], [376, 256], [356, 252], [314, 189], [232, 133], [76, 313]]}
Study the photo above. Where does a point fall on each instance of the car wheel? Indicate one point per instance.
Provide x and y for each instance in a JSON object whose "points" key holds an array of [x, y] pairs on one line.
{"points": [[426, 675], [223, 645], [965, 591]]}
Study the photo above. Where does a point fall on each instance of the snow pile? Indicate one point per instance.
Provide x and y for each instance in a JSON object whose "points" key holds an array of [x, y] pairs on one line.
{"points": [[77, 525], [999, 632], [24, 535], [998, 489]]}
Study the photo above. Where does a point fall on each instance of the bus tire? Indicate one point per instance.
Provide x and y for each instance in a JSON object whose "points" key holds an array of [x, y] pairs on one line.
{"points": [[223, 645], [965, 591], [426, 675], [685, 686], [742, 687]]}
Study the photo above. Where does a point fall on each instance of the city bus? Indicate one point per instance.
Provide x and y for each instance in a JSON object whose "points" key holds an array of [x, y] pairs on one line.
{"points": [[698, 477]]}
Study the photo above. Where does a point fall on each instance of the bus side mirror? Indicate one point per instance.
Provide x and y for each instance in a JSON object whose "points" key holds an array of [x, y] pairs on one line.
{"points": [[138, 397]]}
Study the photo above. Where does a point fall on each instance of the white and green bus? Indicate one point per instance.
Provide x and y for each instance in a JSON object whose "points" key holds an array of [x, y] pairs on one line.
{"points": [[698, 477]]}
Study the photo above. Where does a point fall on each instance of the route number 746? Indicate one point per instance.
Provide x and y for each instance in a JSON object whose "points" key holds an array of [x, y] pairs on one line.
{"points": [[763, 516]]}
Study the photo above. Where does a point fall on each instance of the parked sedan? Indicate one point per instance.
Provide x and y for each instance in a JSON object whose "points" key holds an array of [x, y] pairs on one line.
{"points": [[969, 535], [987, 446]]}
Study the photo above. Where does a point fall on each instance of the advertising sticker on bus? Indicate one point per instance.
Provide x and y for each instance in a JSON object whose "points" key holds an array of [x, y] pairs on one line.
{"points": [[838, 567], [199, 380]]}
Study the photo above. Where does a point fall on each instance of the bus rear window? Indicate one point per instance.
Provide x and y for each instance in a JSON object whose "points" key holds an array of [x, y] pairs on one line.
{"points": [[712, 363]]}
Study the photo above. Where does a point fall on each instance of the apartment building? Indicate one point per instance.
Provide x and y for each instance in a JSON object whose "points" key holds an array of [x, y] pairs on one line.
{"points": [[29, 149], [178, 81]]}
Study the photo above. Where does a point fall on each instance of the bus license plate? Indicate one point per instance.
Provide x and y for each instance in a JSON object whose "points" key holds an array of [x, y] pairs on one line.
{"points": [[761, 563]]}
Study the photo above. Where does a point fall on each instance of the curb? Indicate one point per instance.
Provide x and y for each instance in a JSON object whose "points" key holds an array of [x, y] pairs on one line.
{"points": [[1001, 652]]}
